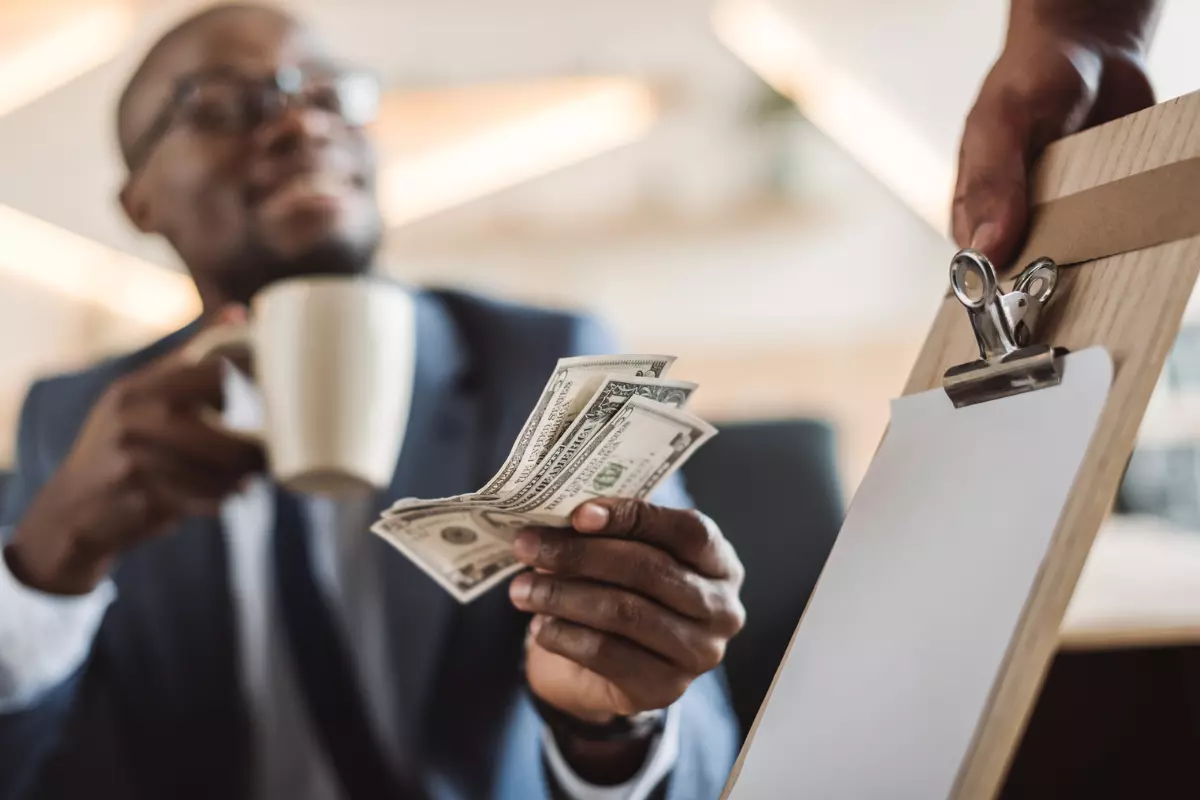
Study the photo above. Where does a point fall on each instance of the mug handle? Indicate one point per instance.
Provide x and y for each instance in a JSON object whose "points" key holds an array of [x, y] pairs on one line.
{"points": [[213, 341]]}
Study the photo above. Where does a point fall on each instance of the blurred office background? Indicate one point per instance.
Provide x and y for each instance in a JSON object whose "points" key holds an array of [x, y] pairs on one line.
{"points": [[758, 186]]}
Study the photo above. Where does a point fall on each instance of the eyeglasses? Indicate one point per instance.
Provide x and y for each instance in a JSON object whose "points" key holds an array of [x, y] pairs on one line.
{"points": [[223, 102]]}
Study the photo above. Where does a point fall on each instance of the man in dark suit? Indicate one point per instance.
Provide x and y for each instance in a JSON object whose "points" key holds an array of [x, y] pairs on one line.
{"points": [[173, 625]]}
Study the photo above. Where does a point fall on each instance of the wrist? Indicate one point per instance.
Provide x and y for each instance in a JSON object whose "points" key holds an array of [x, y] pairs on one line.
{"points": [[604, 763], [1123, 26], [55, 564], [602, 752]]}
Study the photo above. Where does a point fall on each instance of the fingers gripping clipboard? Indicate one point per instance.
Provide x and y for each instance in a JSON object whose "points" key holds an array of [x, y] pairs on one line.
{"points": [[923, 647]]}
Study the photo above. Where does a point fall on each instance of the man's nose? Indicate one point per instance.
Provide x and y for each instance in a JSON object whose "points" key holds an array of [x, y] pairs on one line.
{"points": [[295, 127]]}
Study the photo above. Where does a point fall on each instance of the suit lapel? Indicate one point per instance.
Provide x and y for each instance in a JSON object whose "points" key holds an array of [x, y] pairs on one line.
{"points": [[441, 456], [191, 608], [183, 586], [176, 648], [171, 642]]}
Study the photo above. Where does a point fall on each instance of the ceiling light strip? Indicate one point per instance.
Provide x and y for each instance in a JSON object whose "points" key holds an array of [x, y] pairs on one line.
{"points": [[82, 269], [483, 162], [839, 105], [77, 43]]}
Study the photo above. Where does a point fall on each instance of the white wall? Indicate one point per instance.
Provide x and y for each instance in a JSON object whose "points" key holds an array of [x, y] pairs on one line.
{"points": [[925, 59]]}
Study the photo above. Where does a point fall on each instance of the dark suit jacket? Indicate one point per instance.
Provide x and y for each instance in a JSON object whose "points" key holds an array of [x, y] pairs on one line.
{"points": [[156, 712]]}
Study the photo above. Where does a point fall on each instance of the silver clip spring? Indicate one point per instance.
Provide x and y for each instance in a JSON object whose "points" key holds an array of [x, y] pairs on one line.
{"points": [[1005, 325]]}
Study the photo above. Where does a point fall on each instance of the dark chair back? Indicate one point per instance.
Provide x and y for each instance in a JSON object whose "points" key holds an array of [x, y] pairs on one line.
{"points": [[773, 487]]}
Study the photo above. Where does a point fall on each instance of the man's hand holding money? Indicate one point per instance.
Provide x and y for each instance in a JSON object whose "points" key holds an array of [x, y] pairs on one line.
{"points": [[630, 607]]}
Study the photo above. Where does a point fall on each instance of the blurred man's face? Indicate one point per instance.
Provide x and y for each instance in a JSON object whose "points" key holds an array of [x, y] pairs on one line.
{"points": [[248, 190]]}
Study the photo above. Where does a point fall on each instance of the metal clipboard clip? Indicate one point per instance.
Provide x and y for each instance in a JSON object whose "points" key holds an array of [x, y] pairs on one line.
{"points": [[1004, 325]]}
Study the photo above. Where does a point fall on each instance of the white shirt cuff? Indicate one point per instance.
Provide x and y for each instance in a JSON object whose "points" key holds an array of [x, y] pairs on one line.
{"points": [[44, 637], [664, 751]]}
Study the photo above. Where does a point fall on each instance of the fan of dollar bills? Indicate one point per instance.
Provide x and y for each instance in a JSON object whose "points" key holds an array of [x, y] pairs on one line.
{"points": [[605, 426]]}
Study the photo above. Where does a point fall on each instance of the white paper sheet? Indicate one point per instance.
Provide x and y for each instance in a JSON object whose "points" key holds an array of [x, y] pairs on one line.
{"points": [[891, 669]]}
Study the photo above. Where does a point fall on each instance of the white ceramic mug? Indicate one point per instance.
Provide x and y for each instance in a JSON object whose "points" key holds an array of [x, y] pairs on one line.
{"points": [[333, 362]]}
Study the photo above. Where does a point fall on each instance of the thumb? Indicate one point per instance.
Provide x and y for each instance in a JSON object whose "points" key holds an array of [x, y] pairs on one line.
{"points": [[215, 339], [991, 195]]}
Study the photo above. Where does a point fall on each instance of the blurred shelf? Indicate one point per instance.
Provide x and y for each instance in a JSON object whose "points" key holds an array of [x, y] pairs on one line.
{"points": [[1140, 588], [1172, 418]]}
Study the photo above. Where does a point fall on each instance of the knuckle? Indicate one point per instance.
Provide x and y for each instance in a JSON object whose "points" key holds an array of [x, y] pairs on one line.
{"points": [[978, 184], [568, 554], [624, 516], [582, 645], [627, 609], [713, 602], [737, 569], [665, 520], [546, 593], [696, 647], [709, 654], [598, 648], [550, 636], [737, 617], [125, 471], [708, 533], [690, 530], [696, 595], [727, 612], [653, 569]]}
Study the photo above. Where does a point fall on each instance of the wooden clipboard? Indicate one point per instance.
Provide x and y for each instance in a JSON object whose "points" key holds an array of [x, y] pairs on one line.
{"points": [[1129, 189]]}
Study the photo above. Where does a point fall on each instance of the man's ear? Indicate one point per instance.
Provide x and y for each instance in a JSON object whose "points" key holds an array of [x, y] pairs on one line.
{"points": [[137, 209]]}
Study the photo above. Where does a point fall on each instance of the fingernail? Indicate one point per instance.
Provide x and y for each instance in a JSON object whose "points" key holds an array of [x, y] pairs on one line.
{"points": [[519, 589], [535, 624], [986, 237], [591, 518], [527, 546]]}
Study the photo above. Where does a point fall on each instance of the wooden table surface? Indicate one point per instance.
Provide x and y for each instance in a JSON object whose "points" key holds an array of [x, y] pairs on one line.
{"points": [[1140, 587]]}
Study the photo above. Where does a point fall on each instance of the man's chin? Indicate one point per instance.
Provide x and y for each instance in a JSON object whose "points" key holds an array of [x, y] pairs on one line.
{"points": [[263, 264], [333, 256]]}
